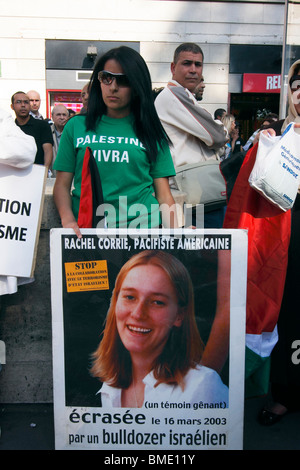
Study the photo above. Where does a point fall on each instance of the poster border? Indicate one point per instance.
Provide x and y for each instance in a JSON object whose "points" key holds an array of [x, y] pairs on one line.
{"points": [[239, 244]]}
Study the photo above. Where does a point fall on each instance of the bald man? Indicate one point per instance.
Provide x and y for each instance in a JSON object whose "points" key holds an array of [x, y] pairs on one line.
{"points": [[60, 115], [35, 103], [84, 98]]}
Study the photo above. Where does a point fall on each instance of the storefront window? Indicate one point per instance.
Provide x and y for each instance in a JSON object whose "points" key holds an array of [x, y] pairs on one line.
{"points": [[70, 99]]}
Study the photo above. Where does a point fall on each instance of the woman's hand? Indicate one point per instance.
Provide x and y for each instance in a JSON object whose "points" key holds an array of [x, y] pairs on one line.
{"points": [[166, 201], [72, 224], [269, 132], [62, 199], [266, 132]]}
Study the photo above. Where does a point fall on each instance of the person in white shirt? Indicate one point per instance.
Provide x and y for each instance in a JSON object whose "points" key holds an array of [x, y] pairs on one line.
{"points": [[151, 348], [195, 135], [18, 150]]}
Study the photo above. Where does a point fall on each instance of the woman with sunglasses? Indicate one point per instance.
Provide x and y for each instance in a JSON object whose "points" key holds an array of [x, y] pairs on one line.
{"points": [[129, 145], [151, 348]]}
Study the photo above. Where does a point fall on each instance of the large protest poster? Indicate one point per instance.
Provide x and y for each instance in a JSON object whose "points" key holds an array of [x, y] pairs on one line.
{"points": [[21, 205], [83, 278]]}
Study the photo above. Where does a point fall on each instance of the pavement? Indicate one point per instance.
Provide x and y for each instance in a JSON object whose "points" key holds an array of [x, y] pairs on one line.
{"points": [[31, 427]]}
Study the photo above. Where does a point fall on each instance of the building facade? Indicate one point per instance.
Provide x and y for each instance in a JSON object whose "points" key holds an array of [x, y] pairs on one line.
{"points": [[52, 47]]}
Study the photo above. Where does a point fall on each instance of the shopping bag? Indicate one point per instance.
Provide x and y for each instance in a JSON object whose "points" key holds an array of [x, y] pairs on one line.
{"points": [[203, 183], [276, 172]]}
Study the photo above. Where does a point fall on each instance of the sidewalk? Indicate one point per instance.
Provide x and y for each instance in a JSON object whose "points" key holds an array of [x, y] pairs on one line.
{"points": [[31, 427], [284, 435]]}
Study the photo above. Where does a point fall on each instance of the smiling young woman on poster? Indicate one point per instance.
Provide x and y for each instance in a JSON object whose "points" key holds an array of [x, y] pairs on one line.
{"points": [[128, 143], [151, 348]]}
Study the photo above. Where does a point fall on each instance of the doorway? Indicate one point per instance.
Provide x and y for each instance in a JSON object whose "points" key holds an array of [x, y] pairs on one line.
{"points": [[250, 109]]}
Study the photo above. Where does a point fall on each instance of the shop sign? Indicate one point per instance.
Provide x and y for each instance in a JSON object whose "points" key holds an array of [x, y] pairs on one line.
{"points": [[261, 83]]}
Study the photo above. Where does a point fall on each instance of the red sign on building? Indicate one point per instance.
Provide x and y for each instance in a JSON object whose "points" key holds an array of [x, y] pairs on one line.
{"points": [[261, 83]]}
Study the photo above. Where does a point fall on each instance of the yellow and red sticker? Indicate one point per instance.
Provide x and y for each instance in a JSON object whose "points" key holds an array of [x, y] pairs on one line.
{"points": [[86, 276]]}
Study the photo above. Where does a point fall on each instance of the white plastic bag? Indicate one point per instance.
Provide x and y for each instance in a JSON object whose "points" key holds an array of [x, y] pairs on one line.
{"points": [[276, 172], [17, 148]]}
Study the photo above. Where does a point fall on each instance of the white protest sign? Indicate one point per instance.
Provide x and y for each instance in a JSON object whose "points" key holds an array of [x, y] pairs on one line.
{"points": [[85, 273], [21, 201]]}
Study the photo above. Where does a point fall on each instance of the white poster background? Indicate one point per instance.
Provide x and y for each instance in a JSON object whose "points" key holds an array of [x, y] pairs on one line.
{"points": [[121, 429], [21, 204]]}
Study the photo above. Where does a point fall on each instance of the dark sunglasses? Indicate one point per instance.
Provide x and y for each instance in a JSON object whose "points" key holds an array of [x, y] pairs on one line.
{"points": [[107, 78], [295, 85], [295, 82]]}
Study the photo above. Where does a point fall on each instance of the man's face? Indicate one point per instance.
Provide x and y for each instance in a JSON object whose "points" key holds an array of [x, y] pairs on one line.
{"points": [[21, 105], [35, 101], [199, 90], [60, 116], [188, 70], [85, 96]]}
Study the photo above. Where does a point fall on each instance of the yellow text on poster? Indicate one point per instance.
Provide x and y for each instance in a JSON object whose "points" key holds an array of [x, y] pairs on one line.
{"points": [[86, 276]]}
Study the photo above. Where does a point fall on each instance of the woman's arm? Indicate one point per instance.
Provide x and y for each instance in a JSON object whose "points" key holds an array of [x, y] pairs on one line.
{"points": [[62, 199], [234, 137], [217, 348], [166, 202]]}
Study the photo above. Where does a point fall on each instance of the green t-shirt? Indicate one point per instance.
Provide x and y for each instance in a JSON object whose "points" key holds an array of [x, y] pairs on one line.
{"points": [[126, 173]]}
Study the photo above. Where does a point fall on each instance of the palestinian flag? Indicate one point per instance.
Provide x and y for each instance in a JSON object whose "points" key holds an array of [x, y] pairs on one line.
{"points": [[269, 231], [91, 192]]}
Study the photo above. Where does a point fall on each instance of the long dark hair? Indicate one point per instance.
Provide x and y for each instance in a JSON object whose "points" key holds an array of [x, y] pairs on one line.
{"points": [[148, 127]]}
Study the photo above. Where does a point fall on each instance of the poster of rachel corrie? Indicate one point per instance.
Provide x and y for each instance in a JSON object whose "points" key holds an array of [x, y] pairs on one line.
{"points": [[148, 339]]}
